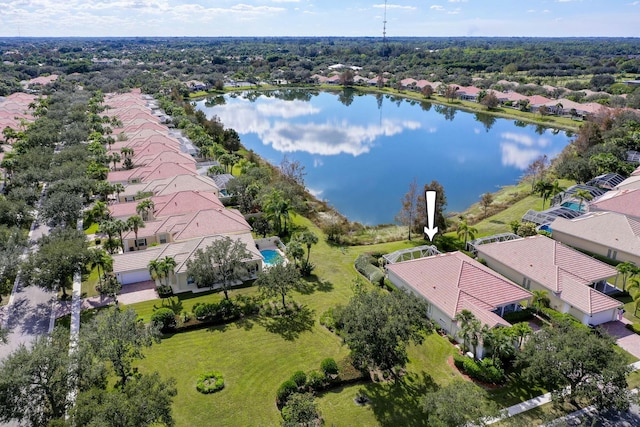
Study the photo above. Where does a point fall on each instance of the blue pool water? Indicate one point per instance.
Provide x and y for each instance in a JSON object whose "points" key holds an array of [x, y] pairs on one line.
{"points": [[271, 257], [546, 228], [573, 206]]}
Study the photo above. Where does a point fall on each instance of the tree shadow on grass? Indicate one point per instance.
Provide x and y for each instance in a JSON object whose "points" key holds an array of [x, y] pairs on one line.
{"points": [[244, 323], [174, 303], [289, 326], [399, 403], [313, 283]]}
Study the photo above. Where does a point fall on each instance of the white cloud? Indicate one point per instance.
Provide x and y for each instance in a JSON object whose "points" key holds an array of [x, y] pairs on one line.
{"points": [[513, 155], [437, 7], [394, 6]]}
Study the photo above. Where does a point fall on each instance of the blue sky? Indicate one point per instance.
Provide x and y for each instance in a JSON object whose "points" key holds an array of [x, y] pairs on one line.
{"points": [[319, 18]]}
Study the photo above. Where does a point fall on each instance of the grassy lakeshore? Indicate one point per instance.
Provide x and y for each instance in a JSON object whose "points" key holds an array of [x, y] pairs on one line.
{"points": [[549, 121]]}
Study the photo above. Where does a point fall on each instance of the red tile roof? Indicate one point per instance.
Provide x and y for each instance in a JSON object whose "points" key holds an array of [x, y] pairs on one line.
{"points": [[556, 267], [626, 201], [454, 281]]}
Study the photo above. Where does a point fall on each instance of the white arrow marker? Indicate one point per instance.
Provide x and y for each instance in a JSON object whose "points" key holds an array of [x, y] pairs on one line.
{"points": [[430, 231]]}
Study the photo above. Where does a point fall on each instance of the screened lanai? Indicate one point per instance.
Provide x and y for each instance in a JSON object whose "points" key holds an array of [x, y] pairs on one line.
{"points": [[547, 216], [410, 253], [570, 192], [607, 180], [473, 245], [633, 156]]}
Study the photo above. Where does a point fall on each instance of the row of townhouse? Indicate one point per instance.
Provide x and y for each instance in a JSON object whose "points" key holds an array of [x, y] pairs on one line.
{"points": [[187, 214], [561, 107], [576, 284]]}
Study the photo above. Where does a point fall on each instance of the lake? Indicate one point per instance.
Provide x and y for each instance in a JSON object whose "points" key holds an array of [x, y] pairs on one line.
{"points": [[361, 152]]}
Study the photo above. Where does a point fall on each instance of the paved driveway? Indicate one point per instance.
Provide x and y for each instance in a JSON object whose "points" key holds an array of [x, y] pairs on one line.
{"points": [[625, 338]]}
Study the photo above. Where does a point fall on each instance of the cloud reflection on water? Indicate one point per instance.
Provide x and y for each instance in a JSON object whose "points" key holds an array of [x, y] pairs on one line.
{"points": [[329, 138], [520, 150]]}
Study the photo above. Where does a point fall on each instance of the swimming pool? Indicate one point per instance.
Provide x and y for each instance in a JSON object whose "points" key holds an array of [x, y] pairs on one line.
{"points": [[573, 206], [271, 257]]}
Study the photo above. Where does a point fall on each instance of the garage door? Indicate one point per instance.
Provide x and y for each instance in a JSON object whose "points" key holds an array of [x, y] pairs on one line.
{"points": [[134, 277]]}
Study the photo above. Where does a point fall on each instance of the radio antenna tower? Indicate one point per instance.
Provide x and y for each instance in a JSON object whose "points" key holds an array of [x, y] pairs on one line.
{"points": [[384, 30]]}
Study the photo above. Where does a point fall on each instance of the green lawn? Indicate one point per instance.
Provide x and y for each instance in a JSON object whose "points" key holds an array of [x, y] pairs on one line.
{"points": [[89, 284], [257, 354], [92, 229]]}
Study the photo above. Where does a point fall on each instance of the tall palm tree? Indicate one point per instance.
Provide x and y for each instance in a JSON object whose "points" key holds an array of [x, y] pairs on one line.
{"points": [[307, 238], [627, 269], [556, 188], [118, 188], [582, 195], [540, 299], [135, 223], [500, 343], [108, 227], [100, 259], [103, 188], [144, 207], [155, 269], [634, 291], [115, 158], [466, 230], [120, 227], [275, 207], [543, 188], [168, 265], [464, 318], [99, 211], [295, 250]]}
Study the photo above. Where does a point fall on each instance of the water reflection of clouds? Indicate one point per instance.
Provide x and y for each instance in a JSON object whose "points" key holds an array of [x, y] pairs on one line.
{"points": [[520, 150], [330, 138], [325, 139]]}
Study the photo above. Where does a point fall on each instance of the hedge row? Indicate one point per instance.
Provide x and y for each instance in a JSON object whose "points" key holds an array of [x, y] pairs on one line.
{"points": [[555, 317], [483, 370], [367, 266], [519, 316]]}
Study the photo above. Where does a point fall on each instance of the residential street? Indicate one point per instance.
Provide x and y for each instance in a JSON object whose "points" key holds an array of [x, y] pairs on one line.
{"points": [[28, 313]]}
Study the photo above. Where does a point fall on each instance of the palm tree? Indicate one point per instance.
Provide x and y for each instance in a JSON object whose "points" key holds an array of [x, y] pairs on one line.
{"points": [[134, 223], [103, 188], [99, 211], [540, 299], [521, 331], [543, 188], [115, 158], [500, 343], [466, 230], [275, 208], [556, 188], [168, 265], [108, 227], [100, 259], [144, 207], [464, 318], [295, 250], [308, 238], [155, 269], [627, 269], [634, 291], [118, 188], [582, 195], [120, 227]]}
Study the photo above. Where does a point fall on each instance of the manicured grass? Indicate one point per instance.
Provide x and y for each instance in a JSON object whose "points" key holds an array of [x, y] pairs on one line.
{"points": [[254, 362], [89, 284], [92, 229]]}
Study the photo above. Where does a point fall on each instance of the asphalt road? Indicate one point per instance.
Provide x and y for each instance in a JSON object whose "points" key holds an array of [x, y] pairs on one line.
{"points": [[29, 311]]}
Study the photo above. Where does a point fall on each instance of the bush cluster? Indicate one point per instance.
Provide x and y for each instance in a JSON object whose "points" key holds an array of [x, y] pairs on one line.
{"points": [[165, 318], [315, 381], [210, 382], [222, 311], [483, 370], [367, 266], [164, 291], [555, 317]]}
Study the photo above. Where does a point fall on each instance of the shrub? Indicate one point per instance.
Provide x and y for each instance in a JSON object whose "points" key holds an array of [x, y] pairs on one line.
{"points": [[165, 317], [329, 366], [210, 382], [315, 380], [205, 310], [484, 370], [306, 268], [458, 360], [285, 390], [633, 327], [299, 377], [164, 291], [519, 316], [326, 319]]}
